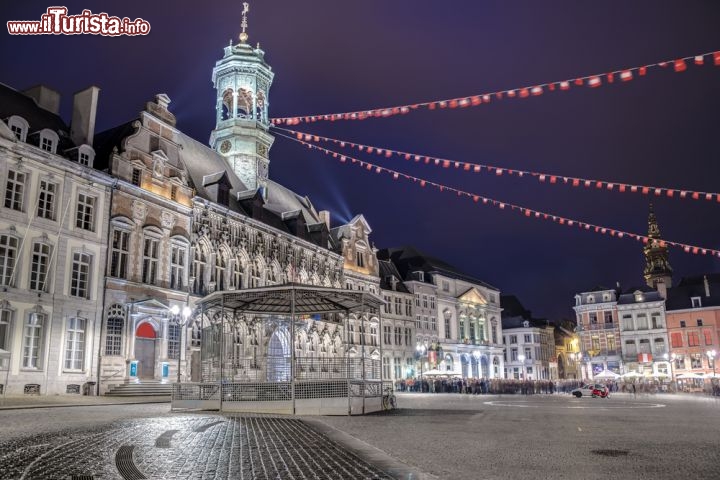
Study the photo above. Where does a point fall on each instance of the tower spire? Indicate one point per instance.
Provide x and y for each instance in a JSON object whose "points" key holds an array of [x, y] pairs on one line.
{"points": [[242, 82], [243, 35], [657, 263]]}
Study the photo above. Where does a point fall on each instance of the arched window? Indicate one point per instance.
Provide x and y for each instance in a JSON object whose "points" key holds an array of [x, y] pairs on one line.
{"points": [[260, 107], [219, 272], [151, 255], [114, 330], [244, 104], [199, 266], [173, 341], [6, 318], [33, 336], [8, 258], [178, 262], [19, 127], [256, 274], [48, 140], [39, 265], [238, 275], [227, 104]]}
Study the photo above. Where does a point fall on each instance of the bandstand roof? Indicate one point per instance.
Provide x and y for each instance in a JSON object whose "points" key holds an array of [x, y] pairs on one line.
{"points": [[278, 300]]}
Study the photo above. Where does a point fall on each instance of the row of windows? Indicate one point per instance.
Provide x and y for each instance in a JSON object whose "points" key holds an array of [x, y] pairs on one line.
{"points": [[643, 345], [677, 339], [48, 141], [40, 267], [527, 338], [696, 361], [399, 337], [607, 317], [640, 321], [395, 305], [34, 333], [425, 322], [428, 301], [15, 192], [120, 255]]}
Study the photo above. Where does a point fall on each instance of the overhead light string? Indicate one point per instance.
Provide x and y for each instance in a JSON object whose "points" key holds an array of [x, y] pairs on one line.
{"points": [[592, 81], [527, 212], [500, 171]]}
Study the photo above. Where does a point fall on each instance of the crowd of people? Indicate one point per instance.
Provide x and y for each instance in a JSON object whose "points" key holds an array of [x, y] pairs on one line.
{"points": [[479, 386]]}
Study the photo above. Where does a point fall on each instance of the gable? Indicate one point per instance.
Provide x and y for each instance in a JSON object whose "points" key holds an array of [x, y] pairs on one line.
{"points": [[473, 296]]}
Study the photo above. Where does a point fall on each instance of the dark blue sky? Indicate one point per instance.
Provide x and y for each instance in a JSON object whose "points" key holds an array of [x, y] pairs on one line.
{"points": [[332, 56]]}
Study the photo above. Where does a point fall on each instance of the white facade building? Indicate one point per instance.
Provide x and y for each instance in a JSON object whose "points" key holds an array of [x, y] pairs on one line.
{"points": [[52, 243]]}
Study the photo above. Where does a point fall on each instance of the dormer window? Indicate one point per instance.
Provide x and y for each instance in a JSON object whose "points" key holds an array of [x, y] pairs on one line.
{"points": [[19, 127], [420, 275], [86, 155], [606, 297], [360, 259], [638, 297], [696, 302], [48, 140], [591, 299]]}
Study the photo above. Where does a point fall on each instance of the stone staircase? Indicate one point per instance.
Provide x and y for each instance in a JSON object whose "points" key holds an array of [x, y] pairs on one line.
{"points": [[147, 388]]}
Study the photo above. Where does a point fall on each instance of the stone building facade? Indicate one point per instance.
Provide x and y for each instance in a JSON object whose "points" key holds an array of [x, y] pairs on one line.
{"points": [[52, 243], [467, 338], [597, 324]]}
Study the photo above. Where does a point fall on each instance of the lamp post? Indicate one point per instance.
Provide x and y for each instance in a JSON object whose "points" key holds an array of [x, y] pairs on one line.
{"points": [[176, 319], [711, 357], [521, 357], [421, 353]]}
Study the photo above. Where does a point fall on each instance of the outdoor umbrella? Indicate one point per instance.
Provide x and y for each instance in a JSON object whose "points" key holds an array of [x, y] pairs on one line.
{"points": [[606, 375]]}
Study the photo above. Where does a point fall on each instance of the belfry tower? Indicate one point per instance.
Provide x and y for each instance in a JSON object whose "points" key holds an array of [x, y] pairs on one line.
{"points": [[657, 264], [242, 80]]}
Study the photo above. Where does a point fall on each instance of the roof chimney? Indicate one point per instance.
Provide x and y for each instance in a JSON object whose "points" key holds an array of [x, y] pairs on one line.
{"points": [[707, 286], [82, 128], [46, 98], [325, 217]]}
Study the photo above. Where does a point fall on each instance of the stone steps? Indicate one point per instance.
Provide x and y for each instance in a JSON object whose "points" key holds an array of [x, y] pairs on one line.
{"points": [[145, 389]]}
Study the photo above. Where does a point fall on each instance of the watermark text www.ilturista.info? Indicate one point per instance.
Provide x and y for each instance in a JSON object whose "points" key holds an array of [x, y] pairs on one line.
{"points": [[57, 22]]}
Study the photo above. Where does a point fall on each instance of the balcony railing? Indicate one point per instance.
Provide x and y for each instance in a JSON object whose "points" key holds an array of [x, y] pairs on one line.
{"points": [[598, 326]]}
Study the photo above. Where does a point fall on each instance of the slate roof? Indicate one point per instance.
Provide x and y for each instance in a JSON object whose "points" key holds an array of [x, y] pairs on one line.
{"points": [[13, 102], [388, 270], [680, 296], [408, 259], [513, 308], [105, 141], [649, 295]]}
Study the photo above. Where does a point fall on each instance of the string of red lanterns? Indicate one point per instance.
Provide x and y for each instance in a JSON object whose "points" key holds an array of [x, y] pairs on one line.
{"points": [[528, 212], [499, 171], [592, 81]]}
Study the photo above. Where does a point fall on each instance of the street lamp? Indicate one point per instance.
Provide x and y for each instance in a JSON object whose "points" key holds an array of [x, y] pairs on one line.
{"points": [[181, 322], [521, 357], [421, 353], [711, 357], [578, 365]]}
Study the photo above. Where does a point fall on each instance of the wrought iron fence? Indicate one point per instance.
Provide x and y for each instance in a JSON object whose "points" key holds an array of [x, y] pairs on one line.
{"points": [[277, 369]]}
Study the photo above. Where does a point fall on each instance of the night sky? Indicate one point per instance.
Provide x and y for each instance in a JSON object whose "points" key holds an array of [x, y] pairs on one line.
{"points": [[335, 56]]}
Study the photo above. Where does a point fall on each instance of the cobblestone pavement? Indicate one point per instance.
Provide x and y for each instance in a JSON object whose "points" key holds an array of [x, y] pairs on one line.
{"points": [[179, 446]]}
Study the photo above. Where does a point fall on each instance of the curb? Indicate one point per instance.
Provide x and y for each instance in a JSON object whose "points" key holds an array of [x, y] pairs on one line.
{"points": [[61, 405]]}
